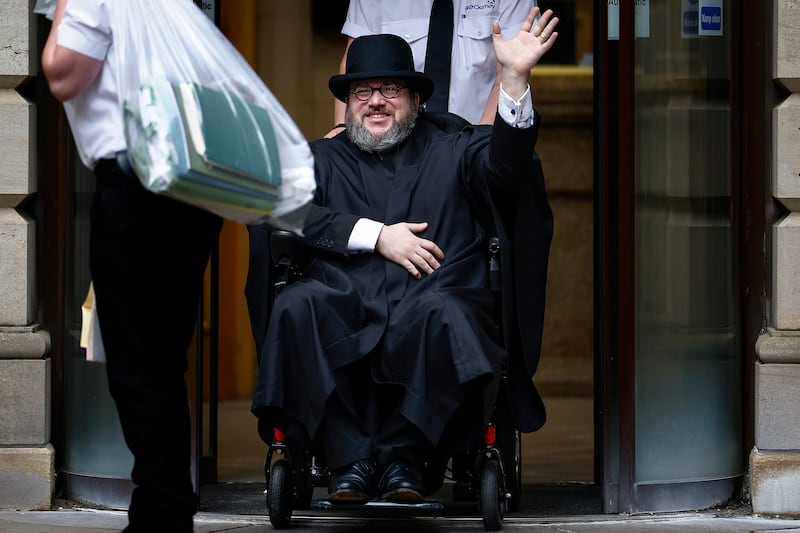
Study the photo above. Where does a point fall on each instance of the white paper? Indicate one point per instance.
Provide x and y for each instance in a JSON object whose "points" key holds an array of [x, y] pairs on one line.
{"points": [[641, 19]]}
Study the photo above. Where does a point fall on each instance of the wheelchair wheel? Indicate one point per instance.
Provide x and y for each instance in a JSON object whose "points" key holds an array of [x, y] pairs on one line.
{"points": [[492, 499], [280, 494]]}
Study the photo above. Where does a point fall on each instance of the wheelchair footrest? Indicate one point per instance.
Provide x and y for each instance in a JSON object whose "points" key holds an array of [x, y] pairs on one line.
{"points": [[379, 505]]}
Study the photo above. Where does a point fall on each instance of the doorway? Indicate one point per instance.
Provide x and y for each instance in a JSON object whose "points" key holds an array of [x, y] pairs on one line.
{"points": [[638, 152], [642, 325], [670, 339], [563, 451]]}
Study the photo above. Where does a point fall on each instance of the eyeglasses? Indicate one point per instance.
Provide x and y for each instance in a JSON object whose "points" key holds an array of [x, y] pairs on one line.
{"points": [[387, 90]]}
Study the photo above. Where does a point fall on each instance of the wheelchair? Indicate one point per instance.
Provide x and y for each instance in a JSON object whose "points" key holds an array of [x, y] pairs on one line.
{"points": [[490, 475]]}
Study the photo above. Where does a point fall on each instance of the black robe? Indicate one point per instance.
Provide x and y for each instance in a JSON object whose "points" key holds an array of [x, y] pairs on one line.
{"points": [[465, 185]]}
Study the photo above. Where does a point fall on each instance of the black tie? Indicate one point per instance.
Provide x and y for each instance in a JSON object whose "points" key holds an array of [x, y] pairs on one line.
{"points": [[437, 54]]}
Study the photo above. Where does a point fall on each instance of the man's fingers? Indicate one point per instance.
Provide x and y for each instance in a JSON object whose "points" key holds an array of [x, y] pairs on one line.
{"points": [[426, 262], [541, 26], [400, 244], [496, 31], [412, 269], [416, 227], [528, 24], [433, 249], [419, 262], [430, 259]]}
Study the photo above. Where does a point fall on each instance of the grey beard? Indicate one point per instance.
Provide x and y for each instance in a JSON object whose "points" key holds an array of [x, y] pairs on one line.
{"points": [[361, 137]]}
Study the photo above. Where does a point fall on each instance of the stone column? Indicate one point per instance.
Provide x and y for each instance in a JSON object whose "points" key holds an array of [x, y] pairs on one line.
{"points": [[775, 459], [26, 457]]}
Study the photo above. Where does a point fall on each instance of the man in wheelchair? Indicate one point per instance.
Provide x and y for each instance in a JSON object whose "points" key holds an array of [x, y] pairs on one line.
{"points": [[391, 328]]}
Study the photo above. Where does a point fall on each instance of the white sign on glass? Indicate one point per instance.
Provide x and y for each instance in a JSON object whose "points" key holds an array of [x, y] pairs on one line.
{"points": [[641, 19], [690, 18]]}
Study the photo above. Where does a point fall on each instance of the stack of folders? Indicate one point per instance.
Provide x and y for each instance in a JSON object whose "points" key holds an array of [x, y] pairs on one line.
{"points": [[207, 147]]}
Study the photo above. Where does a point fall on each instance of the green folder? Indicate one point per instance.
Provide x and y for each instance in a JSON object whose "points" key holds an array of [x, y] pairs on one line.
{"points": [[207, 147], [228, 138]]}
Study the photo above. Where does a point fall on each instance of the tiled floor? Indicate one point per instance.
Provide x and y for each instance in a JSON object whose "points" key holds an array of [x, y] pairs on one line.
{"points": [[563, 450]]}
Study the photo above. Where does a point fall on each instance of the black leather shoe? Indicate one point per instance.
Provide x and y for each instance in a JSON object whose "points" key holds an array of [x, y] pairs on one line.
{"points": [[401, 483], [352, 484]]}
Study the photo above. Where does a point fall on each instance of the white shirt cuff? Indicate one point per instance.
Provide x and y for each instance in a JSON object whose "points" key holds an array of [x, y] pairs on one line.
{"points": [[364, 236], [518, 114]]}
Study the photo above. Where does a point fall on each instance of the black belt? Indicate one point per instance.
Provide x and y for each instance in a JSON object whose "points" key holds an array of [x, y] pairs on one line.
{"points": [[114, 169]]}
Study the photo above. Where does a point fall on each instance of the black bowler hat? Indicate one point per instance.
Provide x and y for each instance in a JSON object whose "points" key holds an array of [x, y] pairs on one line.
{"points": [[380, 56]]}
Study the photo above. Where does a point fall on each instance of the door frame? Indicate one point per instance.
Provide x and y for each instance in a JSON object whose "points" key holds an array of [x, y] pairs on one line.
{"points": [[752, 93]]}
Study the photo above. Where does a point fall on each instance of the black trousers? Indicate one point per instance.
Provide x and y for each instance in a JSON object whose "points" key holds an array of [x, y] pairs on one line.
{"points": [[148, 255], [363, 420]]}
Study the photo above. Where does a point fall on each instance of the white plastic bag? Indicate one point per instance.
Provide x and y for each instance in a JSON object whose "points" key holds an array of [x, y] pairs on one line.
{"points": [[200, 124]]}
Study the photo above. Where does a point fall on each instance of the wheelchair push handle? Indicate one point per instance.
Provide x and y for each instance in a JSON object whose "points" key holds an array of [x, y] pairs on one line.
{"points": [[286, 248], [495, 281]]}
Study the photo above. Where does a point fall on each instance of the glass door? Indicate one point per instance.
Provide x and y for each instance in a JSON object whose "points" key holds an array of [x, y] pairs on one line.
{"points": [[671, 348]]}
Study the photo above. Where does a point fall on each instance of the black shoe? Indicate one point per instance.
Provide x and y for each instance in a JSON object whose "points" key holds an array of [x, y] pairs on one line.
{"points": [[401, 483], [352, 484]]}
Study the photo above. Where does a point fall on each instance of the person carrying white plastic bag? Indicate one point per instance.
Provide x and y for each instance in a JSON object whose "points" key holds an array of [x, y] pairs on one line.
{"points": [[145, 247]]}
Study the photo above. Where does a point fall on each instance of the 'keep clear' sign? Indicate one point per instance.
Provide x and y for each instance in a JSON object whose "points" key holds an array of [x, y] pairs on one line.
{"points": [[641, 19], [701, 18], [710, 17]]}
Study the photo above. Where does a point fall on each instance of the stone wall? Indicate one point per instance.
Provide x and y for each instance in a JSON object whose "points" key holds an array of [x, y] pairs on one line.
{"points": [[26, 457], [563, 97], [775, 459]]}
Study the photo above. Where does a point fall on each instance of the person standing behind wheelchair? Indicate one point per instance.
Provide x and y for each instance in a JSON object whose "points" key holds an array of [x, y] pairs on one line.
{"points": [[473, 74], [373, 351], [147, 256]]}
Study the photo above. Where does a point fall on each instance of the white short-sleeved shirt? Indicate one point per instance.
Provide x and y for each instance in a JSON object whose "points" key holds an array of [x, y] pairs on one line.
{"points": [[473, 65], [95, 116]]}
